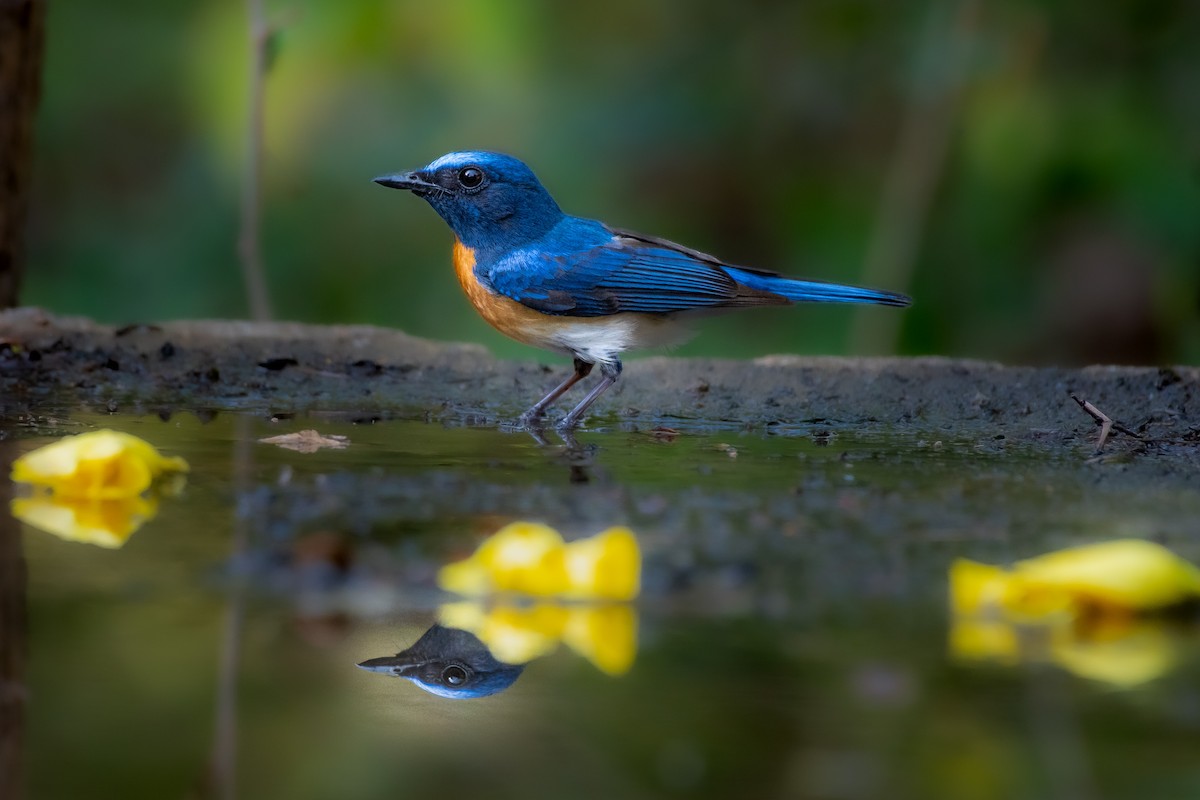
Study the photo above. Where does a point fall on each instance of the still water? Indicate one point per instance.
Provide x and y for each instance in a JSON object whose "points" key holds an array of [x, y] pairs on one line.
{"points": [[791, 638]]}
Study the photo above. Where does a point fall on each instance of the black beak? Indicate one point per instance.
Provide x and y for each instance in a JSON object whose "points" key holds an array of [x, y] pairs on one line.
{"points": [[412, 181], [391, 665]]}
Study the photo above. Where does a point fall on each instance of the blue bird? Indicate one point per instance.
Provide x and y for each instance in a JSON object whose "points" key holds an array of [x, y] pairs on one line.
{"points": [[578, 286], [450, 663]]}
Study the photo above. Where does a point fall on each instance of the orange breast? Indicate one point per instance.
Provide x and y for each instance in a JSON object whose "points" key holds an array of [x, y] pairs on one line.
{"points": [[502, 313]]}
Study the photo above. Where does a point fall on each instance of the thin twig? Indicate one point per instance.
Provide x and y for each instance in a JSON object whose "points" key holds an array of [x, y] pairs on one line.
{"points": [[249, 241], [1106, 423]]}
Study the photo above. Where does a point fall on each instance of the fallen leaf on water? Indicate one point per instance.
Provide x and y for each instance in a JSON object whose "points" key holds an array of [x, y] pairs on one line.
{"points": [[307, 441]]}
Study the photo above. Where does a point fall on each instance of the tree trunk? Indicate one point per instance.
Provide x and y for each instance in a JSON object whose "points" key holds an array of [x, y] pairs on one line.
{"points": [[14, 640], [22, 23]]}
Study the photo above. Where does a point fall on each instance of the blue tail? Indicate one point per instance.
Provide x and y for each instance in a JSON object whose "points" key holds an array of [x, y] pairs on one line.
{"points": [[799, 291]]}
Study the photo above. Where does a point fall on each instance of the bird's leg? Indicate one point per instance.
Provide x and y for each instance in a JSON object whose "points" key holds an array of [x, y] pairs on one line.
{"points": [[609, 372], [582, 370]]}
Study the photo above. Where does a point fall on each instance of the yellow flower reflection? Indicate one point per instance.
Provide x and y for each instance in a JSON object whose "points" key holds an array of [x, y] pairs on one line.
{"points": [[532, 559], [107, 523], [1083, 609], [100, 465], [514, 634], [606, 635], [96, 487], [1121, 654]]}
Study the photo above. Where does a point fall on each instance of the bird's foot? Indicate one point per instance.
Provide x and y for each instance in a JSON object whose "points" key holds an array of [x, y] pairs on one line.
{"points": [[566, 425], [533, 418], [532, 422]]}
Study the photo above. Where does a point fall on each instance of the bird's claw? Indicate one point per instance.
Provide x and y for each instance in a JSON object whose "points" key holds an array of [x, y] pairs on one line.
{"points": [[533, 418]]}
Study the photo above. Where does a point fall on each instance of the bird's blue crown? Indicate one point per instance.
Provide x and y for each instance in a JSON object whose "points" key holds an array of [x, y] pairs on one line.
{"points": [[492, 201]]}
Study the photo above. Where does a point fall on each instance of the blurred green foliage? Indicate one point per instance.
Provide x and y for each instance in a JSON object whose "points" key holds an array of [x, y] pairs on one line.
{"points": [[1064, 224]]}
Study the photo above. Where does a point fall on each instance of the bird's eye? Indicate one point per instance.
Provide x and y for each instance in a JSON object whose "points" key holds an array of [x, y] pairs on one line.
{"points": [[470, 177], [454, 675]]}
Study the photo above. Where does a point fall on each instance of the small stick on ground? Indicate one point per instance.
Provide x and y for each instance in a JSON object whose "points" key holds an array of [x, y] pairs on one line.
{"points": [[1107, 425]]}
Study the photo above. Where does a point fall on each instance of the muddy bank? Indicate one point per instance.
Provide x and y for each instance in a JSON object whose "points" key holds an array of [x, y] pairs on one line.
{"points": [[375, 373]]}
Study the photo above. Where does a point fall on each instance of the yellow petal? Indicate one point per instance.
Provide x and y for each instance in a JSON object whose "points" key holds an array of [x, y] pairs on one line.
{"points": [[107, 523], [607, 566], [1126, 573], [467, 577], [522, 557], [513, 634], [977, 588], [605, 635], [100, 464]]}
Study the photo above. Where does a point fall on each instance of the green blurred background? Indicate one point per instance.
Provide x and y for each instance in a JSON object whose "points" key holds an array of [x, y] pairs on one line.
{"points": [[1028, 170]]}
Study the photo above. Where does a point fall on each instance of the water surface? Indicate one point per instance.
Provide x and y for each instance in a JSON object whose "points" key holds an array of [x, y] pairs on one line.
{"points": [[792, 638]]}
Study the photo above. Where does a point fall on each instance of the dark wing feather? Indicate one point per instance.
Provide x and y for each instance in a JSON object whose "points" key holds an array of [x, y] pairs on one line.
{"points": [[630, 273], [696, 254]]}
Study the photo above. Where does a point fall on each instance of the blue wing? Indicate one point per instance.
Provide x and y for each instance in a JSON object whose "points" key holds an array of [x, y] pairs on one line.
{"points": [[625, 273]]}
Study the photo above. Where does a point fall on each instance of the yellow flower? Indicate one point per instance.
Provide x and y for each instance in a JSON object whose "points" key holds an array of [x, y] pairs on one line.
{"points": [[98, 465], [607, 566], [532, 559], [523, 557], [1126, 574], [107, 523]]}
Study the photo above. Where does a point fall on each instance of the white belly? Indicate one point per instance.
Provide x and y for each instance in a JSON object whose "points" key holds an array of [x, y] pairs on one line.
{"points": [[602, 339]]}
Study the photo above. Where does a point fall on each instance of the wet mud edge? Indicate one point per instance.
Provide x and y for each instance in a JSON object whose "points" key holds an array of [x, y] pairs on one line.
{"points": [[382, 373]]}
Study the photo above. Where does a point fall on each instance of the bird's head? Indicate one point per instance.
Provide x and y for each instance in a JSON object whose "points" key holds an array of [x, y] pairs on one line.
{"points": [[450, 663], [489, 200]]}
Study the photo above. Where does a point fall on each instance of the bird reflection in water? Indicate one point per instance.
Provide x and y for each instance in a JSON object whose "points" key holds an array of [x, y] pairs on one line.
{"points": [[450, 663], [476, 650]]}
